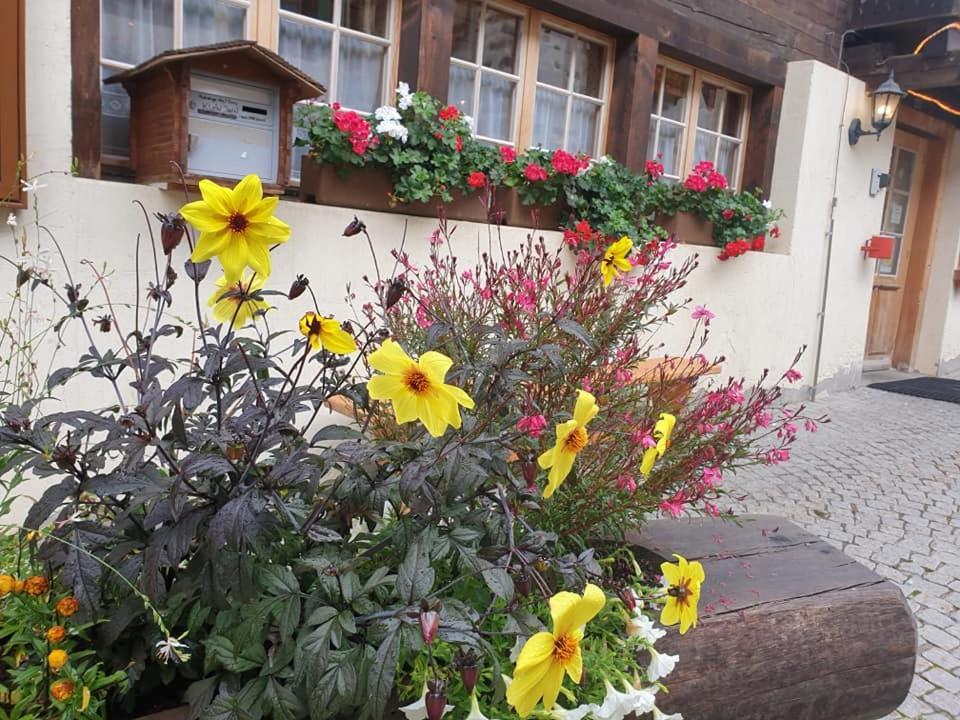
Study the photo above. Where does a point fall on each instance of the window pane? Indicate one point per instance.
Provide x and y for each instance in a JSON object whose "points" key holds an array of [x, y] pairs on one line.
{"points": [[135, 30], [705, 148], [710, 98], [670, 149], [657, 81], [497, 97], [676, 87], [115, 122], [733, 115], [212, 21], [316, 9], [301, 151], [500, 41], [897, 204], [360, 74], [556, 49], [369, 16], [891, 266], [584, 119], [461, 88], [466, 28], [652, 139], [307, 47], [588, 72], [549, 115], [903, 170], [728, 159]]}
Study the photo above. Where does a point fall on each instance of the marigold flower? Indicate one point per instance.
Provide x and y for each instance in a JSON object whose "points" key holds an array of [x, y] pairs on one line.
{"points": [[546, 656], [682, 580], [56, 634], [662, 431], [237, 226], [57, 659], [68, 606], [239, 301], [36, 585], [572, 437], [18, 586], [416, 388], [62, 690], [6, 584], [326, 333], [615, 260]]}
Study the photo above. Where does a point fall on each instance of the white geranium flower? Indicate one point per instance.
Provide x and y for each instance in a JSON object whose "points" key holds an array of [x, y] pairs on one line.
{"points": [[404, 96], [417, 710], [660, 665], [767, 204], [658, 714], [471, 123], [12, 220], [394, 129], [644, 628], [386, 112]]}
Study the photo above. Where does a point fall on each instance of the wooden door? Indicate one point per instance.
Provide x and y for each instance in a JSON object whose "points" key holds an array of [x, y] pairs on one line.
{"points": [[900, 221]]}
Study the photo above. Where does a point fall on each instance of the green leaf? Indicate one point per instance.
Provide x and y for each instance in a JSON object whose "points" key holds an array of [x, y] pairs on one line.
{"points": [[221, 652], [575, 330], [282, 702], [499, 581], [415, 576], [380, 677]]}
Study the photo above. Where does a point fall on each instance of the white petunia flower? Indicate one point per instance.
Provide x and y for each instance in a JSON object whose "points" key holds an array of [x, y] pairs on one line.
{"points": [[12, 220], [577, 713], [658, 714], [475, 713], [767, 204], [644, 628], [417, 710], [616, 705], [660, 665], [171, 649], [642, 699], [386, 112]]}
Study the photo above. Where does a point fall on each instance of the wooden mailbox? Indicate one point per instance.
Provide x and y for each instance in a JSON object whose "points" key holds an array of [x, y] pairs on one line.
{"points": [[220, 111]]}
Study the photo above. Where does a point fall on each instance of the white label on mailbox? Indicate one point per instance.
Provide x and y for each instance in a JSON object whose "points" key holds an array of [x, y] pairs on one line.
{"points": [[214, 105]]}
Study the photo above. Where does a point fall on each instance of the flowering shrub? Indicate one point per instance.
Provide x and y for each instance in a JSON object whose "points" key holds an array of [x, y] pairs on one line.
{"points": [[456, 549]]}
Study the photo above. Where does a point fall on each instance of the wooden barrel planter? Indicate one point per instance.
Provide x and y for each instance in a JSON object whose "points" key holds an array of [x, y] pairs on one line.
{"points": [[791, 628]]}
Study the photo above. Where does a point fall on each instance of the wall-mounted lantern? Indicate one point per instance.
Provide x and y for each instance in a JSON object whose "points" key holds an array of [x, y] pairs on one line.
{"points": [[886, 100]]}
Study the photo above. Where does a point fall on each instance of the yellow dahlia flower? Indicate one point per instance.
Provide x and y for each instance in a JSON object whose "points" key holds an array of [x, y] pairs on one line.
{"points": [[572, 437], [243, 304], [662, 431], [683, 580], [326, 333], [615, 260], [57, 659], [416, 388], [62, 690], [546, 656], [236, 225]]}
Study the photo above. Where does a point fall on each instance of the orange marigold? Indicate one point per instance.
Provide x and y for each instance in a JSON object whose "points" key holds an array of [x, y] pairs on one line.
{"points": [[6, 584], [68, 606], [36, 585], [57, 659], [18, 586], [62, 690], [56, 634]]}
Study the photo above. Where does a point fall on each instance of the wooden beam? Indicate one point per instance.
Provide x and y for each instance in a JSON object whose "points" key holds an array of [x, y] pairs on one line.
{"points": [[426, 43], [635, 67], [762, 138], [13, 138], [85, 64], [914, 72]]}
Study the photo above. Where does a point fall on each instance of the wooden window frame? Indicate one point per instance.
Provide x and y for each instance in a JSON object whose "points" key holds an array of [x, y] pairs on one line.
{"points": [[523, 13], [537, 19], [692, 112], [13, 134]]}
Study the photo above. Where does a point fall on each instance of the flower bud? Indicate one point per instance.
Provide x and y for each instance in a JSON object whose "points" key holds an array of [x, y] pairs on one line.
{"points": [[629, 598], [171, 277], [73, 293], [522, 583], [435, 700], [429, 625], [468, 664], [104, 323], [196, 271], [172, 228], [394, 293], [298, 286], [530, 474], [355, 227]]}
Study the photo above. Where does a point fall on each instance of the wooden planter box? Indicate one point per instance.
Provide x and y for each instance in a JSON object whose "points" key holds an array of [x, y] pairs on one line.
{"points": [[687, 228], [791, 628], [370, 188], [178, 713]]}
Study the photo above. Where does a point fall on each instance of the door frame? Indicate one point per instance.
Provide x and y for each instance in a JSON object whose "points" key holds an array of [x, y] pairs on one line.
{"points": [[938, 136]]}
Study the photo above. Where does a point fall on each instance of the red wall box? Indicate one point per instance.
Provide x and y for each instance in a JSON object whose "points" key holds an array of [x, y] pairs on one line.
{"points": [[879, 247]]}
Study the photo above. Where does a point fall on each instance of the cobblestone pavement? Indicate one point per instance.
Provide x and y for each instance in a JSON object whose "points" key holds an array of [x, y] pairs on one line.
{"points": [[881, 481]]}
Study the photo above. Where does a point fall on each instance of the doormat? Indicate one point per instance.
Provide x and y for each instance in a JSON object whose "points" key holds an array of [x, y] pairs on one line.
{"points": [[931, 388]]}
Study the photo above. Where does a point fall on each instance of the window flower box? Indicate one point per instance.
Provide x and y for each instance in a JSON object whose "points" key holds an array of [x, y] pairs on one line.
{"points": [[687, 228]]}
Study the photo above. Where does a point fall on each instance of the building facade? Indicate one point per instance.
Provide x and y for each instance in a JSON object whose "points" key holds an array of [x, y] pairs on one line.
{"points": [[766, 90]]}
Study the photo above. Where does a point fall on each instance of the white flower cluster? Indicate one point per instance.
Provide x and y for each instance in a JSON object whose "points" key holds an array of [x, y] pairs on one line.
{"points": [[388, 123], [404, 96]]}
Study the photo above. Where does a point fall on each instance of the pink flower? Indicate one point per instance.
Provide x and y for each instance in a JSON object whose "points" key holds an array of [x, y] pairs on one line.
{"points": [[809, 426], [423, 317], [701, 312], [793, 375], [728, 214], [564, 163], [476, 179], [712, 477], [735, 393], [711, 509], [763, 419], [508, 154], [532, 425], [534, 173], [674, 506], [626, 482], [654, 169], [696, 183]]}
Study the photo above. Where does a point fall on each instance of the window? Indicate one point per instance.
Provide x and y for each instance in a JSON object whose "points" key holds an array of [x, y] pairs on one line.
{"points": [[529, 78], [132, 31], [345, 45], [697, 117]]}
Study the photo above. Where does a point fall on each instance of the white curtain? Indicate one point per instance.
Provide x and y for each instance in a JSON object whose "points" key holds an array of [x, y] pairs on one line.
{"points": [[212, 21], [497, 97], [360, 74], [549, 116], [307, 47], [136, 30]]}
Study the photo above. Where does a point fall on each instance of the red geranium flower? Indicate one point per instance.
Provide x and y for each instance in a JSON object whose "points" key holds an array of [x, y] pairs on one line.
{"points": [[534, 173], [458, 143], [759, 243], [564, 163], [450, 112], [508, 154], [728, 214], [654, 169], [476, 179]]}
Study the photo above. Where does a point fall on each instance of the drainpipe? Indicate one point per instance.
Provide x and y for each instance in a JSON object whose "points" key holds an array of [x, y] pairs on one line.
{"points": [[822, 315]]}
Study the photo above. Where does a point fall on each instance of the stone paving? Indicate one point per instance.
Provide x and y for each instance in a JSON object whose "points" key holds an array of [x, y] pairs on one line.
{"points": [[881, 481]]}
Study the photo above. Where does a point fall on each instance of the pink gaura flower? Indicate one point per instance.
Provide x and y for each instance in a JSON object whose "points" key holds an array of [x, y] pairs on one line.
{"points": [[810, 426], [423, 317], [712, 477], [626, 482], [793, 375], [711, 509], [674, 506], [701, 312], [763, 419], [532, 425], [735, 393]]}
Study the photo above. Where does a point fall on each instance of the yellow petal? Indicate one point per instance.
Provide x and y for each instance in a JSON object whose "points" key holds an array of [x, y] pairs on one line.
{"points": [[431, 415], [210, 244], [671, 571], [537, 648], [217, 197], [696, 573], [562, 465], [551, 685], [390, 358], [688, 618], [460, 396], [335, 339], [526, 689], [203, 216], [572, 617], [247, 195], [586, 408], [670, 615], [258, 258], [405, 406], [272, 230], [546, 458], [574, 666], [234, 256], [386, 387], [263, 210], [649, 458], [435, 365]]}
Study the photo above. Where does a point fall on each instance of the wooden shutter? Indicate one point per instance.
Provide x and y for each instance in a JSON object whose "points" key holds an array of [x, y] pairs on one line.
{"points": [[12, 123]]}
